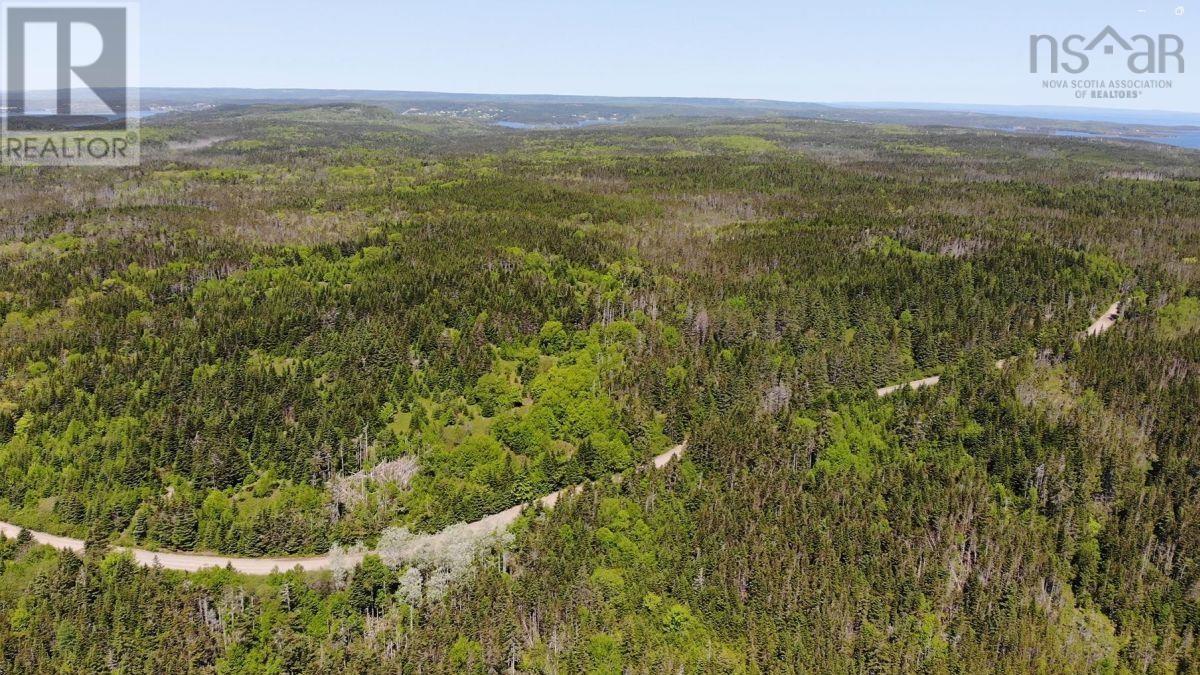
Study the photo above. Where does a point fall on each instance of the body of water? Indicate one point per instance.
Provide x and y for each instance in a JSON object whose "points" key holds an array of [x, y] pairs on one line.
{"points": [[573, 125], [1189, 139], [138, 114]]}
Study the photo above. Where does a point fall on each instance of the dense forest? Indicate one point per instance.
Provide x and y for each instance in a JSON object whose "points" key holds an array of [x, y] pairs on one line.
{"points": [[297, 328]]}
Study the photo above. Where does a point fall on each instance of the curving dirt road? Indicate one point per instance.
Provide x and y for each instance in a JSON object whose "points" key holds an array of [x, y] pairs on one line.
{"points": [[191, 562], [915, 384], [1106, 321]]}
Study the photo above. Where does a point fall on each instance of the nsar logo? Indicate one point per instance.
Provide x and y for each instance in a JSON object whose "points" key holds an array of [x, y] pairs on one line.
{"points": [[1144, 54]]}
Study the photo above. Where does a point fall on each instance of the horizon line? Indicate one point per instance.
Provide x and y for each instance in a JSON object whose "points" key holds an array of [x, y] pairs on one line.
{"points": [[825, 102], [865, 104]]}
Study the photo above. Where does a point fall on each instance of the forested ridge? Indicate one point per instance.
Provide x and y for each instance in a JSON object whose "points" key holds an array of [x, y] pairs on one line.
{"points": [[297, 328]]}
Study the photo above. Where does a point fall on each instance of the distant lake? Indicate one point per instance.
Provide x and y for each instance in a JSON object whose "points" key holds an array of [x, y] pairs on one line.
{"points": [[132, 113], [1189, 139], [573, 125]]}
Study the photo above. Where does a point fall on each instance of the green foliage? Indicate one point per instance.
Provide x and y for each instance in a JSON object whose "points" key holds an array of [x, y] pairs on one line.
{"points": [[1180, 318], [738, 143], [335, 319], [495, 393], [856, 443]]}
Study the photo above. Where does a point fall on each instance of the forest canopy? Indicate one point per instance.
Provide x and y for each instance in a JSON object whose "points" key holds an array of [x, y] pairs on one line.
{"points": [[303, 328]]}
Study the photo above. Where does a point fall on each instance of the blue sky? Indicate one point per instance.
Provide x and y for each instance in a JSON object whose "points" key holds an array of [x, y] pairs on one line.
{"points": [[800, 50]]}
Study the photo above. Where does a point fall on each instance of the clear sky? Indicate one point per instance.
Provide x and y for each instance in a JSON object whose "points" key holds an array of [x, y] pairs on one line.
{"points": [[800, 50]]}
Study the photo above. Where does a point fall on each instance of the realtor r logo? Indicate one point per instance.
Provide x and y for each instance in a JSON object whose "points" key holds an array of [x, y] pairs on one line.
{"points": [[69, 91]]}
